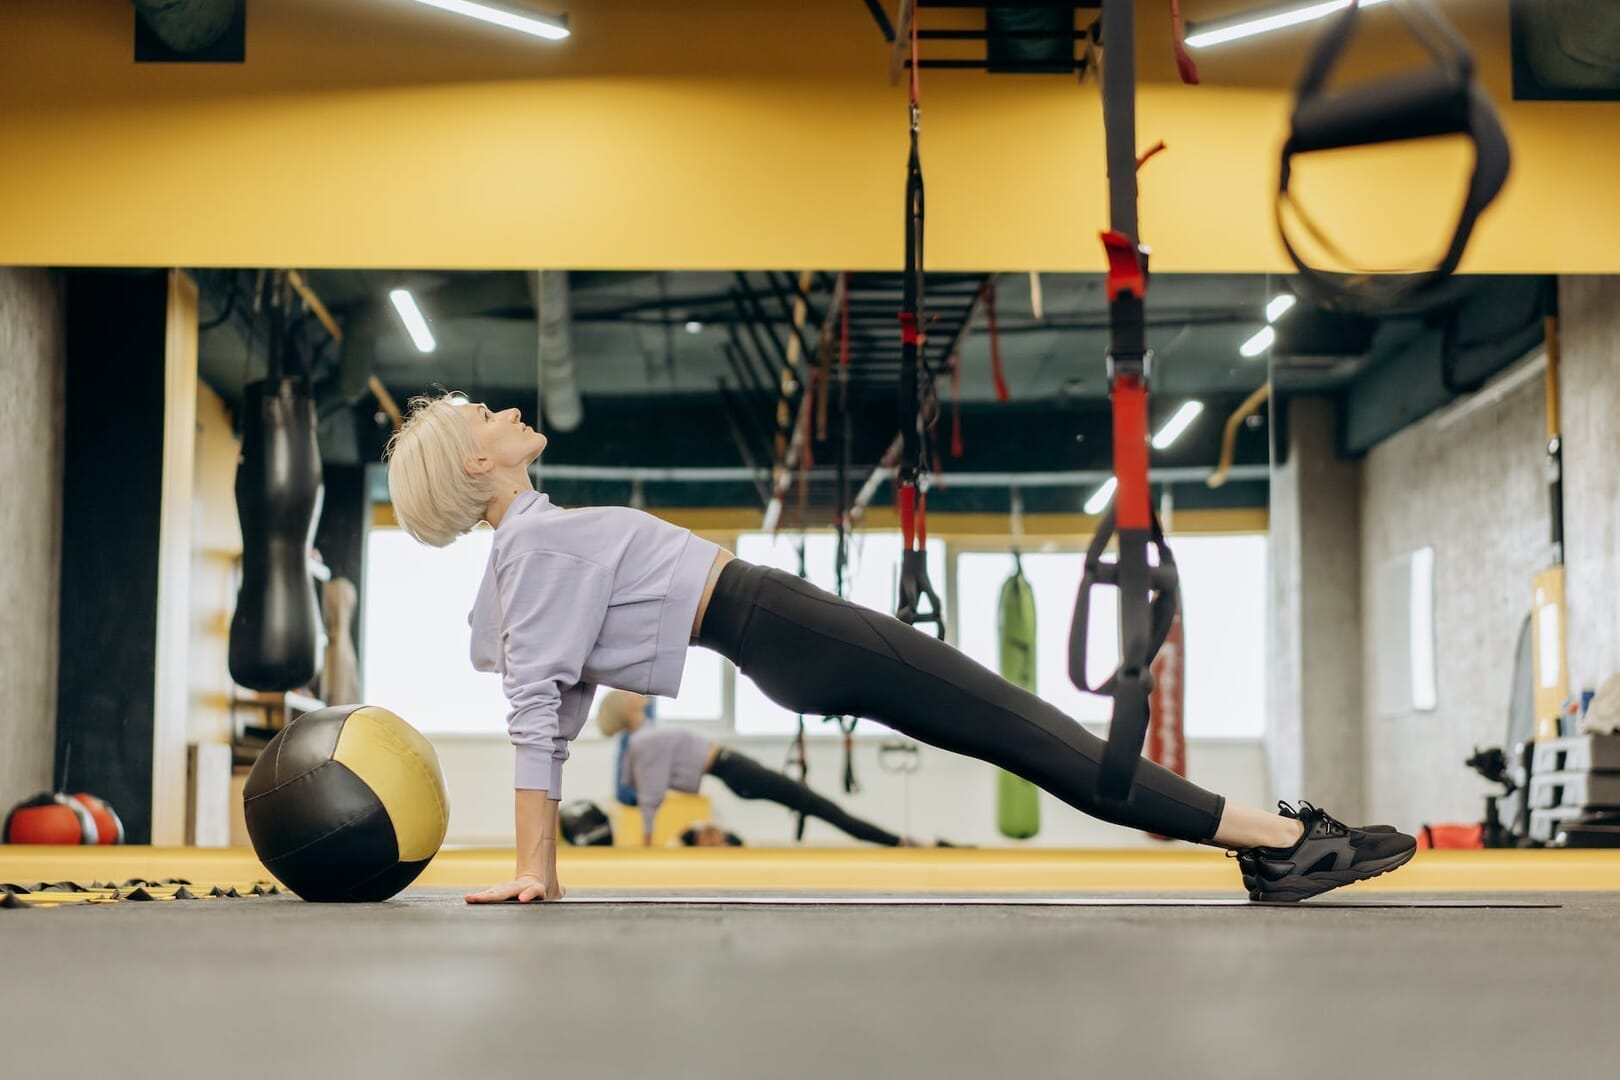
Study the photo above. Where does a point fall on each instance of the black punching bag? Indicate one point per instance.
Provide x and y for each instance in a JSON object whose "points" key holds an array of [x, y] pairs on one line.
{"points": [[275, 634]]}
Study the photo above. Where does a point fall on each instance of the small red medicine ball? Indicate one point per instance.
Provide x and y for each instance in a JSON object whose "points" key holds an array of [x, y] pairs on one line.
{"points": [[63, 819]]}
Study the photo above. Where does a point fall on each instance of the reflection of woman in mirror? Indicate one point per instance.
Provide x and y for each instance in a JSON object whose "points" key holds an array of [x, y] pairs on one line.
{"points": [[664, 759], [612, 596]]}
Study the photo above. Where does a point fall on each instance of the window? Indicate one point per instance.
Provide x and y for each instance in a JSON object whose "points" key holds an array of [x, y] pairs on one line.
{"points": [[874, 575], [1223, 586], [417, 660]]}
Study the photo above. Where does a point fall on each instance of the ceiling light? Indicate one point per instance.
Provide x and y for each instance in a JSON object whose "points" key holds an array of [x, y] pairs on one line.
{"points": [[1264, 20], [411, 316], [694, 327], [550, 27], [1259, 343], [457, 398], [1179, 423], [1279, 306], [1100, 498]]}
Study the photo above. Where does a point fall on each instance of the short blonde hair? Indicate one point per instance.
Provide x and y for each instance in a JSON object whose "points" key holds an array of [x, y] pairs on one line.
{"points": [[435, 498], [616, 711]]}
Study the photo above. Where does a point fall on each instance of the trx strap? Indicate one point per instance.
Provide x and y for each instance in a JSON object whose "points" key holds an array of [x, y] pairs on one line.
{"points": [[1147, 591], [996, 372], [1442, 100], [915, 587], [798, 761]]}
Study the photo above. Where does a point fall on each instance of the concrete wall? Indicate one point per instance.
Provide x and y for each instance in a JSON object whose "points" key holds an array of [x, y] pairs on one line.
{"points": [[949, 796], [31, 406], [1590, 317], [1468, 481], [1313, 738]]}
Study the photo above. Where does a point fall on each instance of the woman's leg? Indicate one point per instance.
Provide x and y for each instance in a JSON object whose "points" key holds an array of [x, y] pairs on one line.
{"points": [[812, 652], [751, 780]]}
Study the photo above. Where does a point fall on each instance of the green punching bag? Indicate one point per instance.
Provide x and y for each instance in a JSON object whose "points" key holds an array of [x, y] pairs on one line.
{"points": [[1018, 802]]}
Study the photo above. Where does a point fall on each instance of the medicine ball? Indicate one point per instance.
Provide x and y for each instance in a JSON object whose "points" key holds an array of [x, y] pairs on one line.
{"points": [[51, 819], [583, 824], [109, 826], [346, 804]]}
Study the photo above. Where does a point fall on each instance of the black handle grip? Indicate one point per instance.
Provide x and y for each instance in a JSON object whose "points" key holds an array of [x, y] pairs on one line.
{"points": [[1416, 105]]}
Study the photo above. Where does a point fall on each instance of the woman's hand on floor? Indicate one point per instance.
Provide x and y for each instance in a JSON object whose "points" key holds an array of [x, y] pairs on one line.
{"points": [[525, 890]]}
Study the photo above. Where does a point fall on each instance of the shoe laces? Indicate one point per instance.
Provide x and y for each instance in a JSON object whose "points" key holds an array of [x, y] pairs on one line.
{"points": [[1312, 816]]}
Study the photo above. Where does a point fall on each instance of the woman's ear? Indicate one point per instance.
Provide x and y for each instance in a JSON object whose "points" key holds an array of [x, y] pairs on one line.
{"points": [[478, 465]]}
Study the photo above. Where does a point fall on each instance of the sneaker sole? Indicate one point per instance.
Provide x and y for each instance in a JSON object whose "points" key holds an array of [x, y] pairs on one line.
{"points": [[1332, 879]]}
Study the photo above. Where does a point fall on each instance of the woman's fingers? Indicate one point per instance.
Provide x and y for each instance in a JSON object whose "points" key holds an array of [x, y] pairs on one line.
{"points": [[524, 892]]}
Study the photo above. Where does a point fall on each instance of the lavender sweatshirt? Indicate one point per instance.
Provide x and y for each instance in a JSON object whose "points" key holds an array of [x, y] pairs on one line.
{"points": [[663, 759], [573, 599]]}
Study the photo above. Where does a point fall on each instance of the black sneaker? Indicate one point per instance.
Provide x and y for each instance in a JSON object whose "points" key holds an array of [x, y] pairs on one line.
{"points": [[1330, 854], [1247, 862]]}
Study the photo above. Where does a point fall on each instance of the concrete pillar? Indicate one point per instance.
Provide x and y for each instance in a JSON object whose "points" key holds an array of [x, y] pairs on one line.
{"points": [[1314, 727], [31, 411], [1589, 317]]}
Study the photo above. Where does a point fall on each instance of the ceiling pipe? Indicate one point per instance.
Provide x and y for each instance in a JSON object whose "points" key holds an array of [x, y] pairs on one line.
{"points": [[188, 26], [558, 390]]}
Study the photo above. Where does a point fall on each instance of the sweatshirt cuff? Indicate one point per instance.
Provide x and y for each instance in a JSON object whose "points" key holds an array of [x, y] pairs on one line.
{"points": [[534, 767]]}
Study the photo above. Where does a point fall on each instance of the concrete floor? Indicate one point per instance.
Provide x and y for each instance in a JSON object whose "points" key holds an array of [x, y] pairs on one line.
{"points": [[426, 986]]}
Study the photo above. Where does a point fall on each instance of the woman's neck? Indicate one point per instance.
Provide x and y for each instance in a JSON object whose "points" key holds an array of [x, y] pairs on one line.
{"points": [[506, 493]]}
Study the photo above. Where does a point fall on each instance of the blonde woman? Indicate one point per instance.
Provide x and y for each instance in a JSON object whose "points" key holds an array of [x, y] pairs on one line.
{"points": [[664, 759], [611, 596]]}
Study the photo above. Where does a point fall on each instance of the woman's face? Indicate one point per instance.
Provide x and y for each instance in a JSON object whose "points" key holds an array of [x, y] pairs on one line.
{"points": [[504, 440]]}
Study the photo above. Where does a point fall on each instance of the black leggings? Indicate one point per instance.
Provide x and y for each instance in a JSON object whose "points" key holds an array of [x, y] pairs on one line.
{"points": [[814, 653], [748, 779]]}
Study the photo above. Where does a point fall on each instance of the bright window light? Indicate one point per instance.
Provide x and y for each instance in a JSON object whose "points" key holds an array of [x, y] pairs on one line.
{"points": [[1264, 20], [1259, 343], [1177, 424], [694, 327], [1100, 498], [411, 316], [550, 27], [1279, 306]]}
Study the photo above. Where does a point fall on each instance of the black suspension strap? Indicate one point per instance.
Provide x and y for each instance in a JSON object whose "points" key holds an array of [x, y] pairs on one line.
{"points": [[798, 761], [1444, 99], [1143, 569], [918, 602]]}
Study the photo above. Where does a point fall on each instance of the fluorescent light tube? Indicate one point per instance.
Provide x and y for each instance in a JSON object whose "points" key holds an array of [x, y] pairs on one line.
{"points": [[1279, 306], [1180, 422], [1100, 498], [1259, 343], [1264, 20], [550, 27], [411, 316]]}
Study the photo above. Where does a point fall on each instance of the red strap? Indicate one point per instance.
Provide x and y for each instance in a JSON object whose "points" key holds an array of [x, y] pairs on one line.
{"points": [[916, 92], [1124, 267], [1133, 506], [908, 515], [995, 341], [922, 521], [956, 406], [1178, 38], [1154, 149], [908, 329], [843, 325]]}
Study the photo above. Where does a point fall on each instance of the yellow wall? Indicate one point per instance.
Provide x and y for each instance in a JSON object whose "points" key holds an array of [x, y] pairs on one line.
{"points": [[699, 134]]}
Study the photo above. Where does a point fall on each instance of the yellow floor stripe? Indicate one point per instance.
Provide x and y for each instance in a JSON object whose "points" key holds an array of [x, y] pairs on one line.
{"points": [[919, 870]]}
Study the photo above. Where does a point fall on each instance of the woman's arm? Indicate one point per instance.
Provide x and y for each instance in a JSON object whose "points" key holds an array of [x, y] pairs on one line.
{"points": [[536, 879]]}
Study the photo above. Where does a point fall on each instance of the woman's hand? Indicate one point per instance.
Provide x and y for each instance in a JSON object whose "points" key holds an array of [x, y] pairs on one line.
{"points": [[525, 890]]}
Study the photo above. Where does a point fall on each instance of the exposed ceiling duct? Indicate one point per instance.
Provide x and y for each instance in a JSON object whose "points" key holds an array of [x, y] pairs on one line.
{"points": [[559, 392], [188, 26]]}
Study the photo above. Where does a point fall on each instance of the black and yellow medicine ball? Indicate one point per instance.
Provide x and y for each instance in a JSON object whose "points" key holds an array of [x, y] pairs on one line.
{"points": [[346, 804]]}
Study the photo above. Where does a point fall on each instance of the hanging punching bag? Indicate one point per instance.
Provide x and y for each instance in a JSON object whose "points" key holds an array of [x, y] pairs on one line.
{"points": [[275, 634], [1018, 802]]}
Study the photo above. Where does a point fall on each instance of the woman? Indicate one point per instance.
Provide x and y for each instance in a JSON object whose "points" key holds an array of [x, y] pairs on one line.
{"points": [[613, 596], [666, 759]]}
